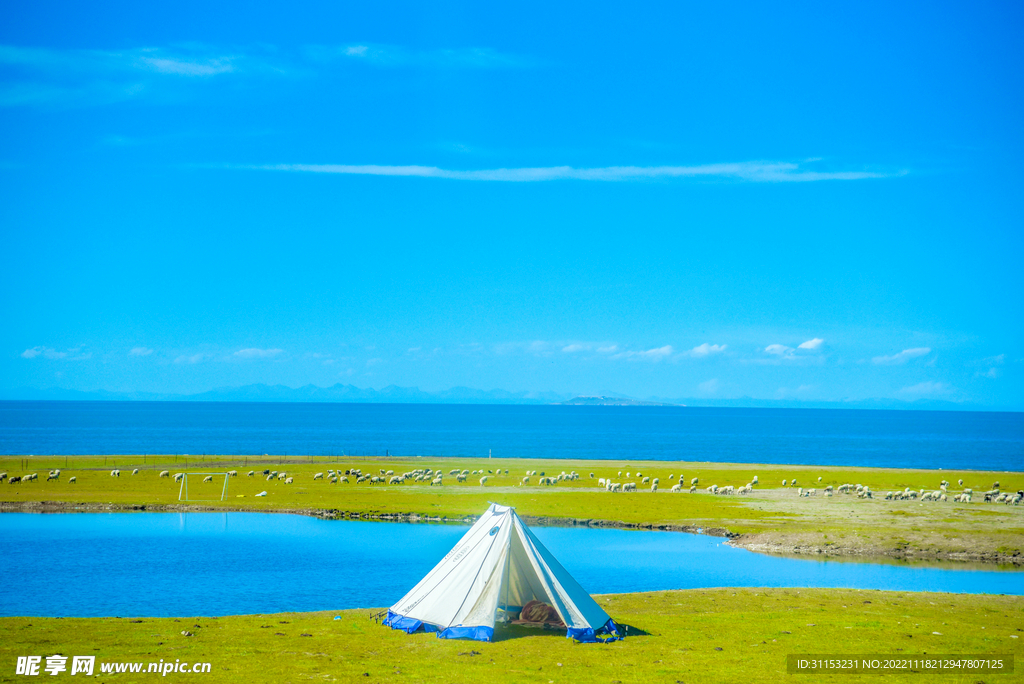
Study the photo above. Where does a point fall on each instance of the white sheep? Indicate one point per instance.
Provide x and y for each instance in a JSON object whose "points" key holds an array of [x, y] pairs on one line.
{"points": [[483, 480], [233, 473], [208, 478], [754, 480], [135, 472], [115, 473], [263, 493], [693, 489], [318, 476], [526, 480], [676, 488], [288, 480], [783, 483], [178, 477], [72, 480], [52, 476], [165, 473], [600, 482], [251, 473], [654, 487], [646, 480], [694, 481]]}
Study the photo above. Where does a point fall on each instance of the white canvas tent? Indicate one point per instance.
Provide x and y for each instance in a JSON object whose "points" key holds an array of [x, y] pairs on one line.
{"points": [[496, 569]]}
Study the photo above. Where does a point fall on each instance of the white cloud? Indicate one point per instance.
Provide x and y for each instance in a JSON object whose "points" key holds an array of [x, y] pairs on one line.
{"points": [[610, 349], [398, 56], [778, 349], [179, 67], [925, 388], [902, 357], [413, 350], [74, 354], [140, 351], [758, 172], [374, 361], [706, 350], [194, 358], [992, 372], [650, 355], [709, 386], [569, 348], [811, 344], [254, 353]]}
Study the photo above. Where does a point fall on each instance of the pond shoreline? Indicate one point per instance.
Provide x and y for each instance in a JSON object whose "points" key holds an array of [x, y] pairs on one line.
{"points": [[773, 544]]}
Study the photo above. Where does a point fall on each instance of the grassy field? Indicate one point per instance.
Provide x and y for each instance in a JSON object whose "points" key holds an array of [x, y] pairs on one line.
{"points": [[717, 635], [773, 518]]}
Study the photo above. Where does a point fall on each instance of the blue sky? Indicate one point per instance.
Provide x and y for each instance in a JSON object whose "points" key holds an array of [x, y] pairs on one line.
{"points": [[801, 201]]}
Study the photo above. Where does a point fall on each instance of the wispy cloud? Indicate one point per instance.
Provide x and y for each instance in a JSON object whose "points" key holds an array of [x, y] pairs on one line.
{"points": [[902, 357], [140, 351], [41, 76], [73, 354], [811, 344], [778, 350], [753, 171], [657, 354], [398, 56], [192, 359], [925, 388], [709, 386], [254, 353], [569, 348], [706, 349]]}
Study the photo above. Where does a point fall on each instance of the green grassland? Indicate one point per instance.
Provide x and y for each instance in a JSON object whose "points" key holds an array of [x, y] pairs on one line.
{"points": [[707, 635], [771, 519]]}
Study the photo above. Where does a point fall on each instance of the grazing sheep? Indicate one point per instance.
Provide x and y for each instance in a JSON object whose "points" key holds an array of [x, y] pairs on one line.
{"points": [[694, 481], [483, 480], [800, 492], [72, 480], [289, 480], [960, 482], [3, 476], [819, 478], [263, 493], [208, 478], [693, 489], [53, 476], [233, 473], [135, 472], [754, 480], [676, 488], [14, 479], [344, 479], [318, 476], [115, 473], [396, 479], [251, 473], [178, 477], [165, 473], [646, 480], [654, 487], [526, 480], [656, 481], [793, 483], [600, 482], [783, 483], [460, 477]]}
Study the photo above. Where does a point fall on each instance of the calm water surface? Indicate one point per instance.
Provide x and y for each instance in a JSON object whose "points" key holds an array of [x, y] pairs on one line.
{"points": [[173, 564], [897, 439]]}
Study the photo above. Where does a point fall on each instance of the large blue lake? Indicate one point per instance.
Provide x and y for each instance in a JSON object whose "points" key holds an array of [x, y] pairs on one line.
{"points": [[181, 564], [907, 439]]}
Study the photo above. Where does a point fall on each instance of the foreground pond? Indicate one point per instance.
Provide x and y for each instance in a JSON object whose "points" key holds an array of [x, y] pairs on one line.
{"points": [[183, 564]]}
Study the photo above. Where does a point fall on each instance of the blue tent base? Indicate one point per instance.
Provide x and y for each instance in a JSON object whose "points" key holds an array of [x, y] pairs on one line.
{"points": [[586, 635]]}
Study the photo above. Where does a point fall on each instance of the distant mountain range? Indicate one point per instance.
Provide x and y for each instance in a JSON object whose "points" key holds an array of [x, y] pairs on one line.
{"points": [[393, 394]]}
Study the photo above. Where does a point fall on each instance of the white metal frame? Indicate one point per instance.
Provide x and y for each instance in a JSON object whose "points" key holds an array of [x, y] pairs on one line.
{"points": [[183, 490]]}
